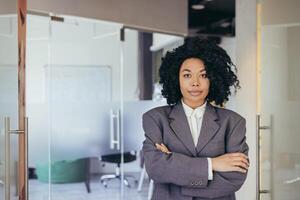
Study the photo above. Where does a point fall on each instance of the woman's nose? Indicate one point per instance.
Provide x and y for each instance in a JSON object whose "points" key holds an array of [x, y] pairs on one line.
{"points": [[195, 82]]}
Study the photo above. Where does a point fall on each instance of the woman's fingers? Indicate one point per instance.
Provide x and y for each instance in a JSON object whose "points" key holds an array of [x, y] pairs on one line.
{"points": [[239, 169], [162, 148], [165, 147], [241, 159], [241, 164], [231, 162], [159, 147], [239, 155]]}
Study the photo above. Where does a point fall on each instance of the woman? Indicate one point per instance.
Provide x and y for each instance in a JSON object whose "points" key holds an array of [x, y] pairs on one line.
{"points": [[194, 150]]}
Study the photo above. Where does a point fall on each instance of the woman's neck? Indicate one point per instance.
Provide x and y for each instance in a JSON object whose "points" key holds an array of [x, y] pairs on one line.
{"points": [[193, 105]]}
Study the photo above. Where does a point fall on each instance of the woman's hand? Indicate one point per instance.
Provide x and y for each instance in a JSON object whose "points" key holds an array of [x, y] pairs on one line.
{"points": [[231, 162], [162, 148], [225, 163]]}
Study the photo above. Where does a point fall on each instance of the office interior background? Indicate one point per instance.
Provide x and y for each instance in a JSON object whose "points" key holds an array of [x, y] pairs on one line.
{"points": [[92, 71]]}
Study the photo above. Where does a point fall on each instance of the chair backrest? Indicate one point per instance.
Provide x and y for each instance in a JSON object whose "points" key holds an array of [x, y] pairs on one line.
{"points": [[65, 171]]}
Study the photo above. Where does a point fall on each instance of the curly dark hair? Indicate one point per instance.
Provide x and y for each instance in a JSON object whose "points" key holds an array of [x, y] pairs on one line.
{"points": [[219, 69]]}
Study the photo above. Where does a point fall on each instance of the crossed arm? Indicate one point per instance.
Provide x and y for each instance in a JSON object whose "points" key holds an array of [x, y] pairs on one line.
{"points": [[224, 163], [163, 166]]}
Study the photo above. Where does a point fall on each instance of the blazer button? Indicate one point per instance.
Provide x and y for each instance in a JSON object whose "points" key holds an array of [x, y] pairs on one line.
{"points": [[192, 183], [200, 183]]}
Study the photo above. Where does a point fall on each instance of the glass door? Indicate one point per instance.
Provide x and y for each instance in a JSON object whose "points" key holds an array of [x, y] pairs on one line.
{"points": [[75, 69], [279, 55], [37, 55], [83, 82], [9, 102]]}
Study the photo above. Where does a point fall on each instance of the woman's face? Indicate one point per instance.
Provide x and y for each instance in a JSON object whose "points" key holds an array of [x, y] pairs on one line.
{"points": [[194, 84]]}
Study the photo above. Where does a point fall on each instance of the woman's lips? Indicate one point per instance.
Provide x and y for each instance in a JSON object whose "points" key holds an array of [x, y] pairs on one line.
{"points": [[195, 93]]}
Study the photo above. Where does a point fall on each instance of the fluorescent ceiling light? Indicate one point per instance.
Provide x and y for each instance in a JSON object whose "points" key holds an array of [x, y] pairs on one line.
{"points": [[198, 7]]}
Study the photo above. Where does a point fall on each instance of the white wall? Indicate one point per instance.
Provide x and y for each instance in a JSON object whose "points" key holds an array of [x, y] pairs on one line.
{"points": [[229, 44], [246, 97], [236, 102]]}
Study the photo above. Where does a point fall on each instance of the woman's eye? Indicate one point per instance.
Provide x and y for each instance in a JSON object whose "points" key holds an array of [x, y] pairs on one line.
{"points": [[203, 75], [186, 75]]}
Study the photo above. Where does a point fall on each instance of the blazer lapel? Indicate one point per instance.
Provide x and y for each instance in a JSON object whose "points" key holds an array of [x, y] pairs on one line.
{"points": [[180, 126], [209, 127]]}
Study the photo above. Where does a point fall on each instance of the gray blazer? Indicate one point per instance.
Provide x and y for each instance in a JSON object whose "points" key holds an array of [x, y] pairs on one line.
{"points": [[183, 175]]}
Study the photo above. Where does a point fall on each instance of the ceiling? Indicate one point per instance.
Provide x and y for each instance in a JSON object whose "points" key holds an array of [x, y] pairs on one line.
{"points": [[213, 18]]}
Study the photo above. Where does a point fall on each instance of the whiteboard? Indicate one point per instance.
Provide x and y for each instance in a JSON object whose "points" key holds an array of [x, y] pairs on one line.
{"points": [[78, 83]]}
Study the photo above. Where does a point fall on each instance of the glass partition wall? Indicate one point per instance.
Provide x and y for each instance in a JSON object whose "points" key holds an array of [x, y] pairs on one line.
{"points": [[279, 99], [83, 80], [9, 116], [74, 78], [87, 91]]}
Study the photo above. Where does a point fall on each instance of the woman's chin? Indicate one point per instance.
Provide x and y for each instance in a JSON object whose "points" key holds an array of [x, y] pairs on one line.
{"points": [[196, 100]]}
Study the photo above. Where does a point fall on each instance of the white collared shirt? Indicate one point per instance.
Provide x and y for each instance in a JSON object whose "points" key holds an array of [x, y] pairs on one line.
{"points": [[194, 118]]}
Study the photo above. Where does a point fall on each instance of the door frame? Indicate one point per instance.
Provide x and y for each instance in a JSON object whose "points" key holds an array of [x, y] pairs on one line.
{"points": [[23, 138]]}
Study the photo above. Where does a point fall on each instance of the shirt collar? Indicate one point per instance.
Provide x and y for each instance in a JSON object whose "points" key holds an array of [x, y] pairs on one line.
{"points": [[199, 111]]}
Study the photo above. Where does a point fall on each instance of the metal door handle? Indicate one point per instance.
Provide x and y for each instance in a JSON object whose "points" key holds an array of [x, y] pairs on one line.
{"points": [[118, 130], [7, 168], [1, 181], [259, 190], [114, 134]]}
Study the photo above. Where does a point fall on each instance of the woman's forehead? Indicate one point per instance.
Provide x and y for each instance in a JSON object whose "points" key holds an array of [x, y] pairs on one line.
{"points": [[192, 64]]}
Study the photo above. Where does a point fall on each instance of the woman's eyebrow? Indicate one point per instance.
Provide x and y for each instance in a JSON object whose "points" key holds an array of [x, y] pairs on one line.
{"points": [[202, 70], [186, 70]]}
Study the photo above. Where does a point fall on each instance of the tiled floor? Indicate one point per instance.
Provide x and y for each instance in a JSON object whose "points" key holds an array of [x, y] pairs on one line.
{"points": [[77, 191]]}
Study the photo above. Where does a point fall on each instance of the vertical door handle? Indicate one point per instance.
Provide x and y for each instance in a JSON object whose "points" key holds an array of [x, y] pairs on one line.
{"points": [[114, 129], [118, 129], [7, 167], [259, 127], [111, 130]]}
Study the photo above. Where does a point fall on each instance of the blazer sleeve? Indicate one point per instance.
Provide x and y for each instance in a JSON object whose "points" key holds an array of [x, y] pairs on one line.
{"points": [[225, 183], [175, 168]]}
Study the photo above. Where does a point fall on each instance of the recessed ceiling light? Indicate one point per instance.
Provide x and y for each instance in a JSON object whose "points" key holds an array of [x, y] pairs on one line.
{"points": [[198, 7], [225, 24]]}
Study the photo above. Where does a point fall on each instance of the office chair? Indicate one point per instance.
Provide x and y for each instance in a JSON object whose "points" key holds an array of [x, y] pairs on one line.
{"points": [[66, 171], [116, 158]]}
